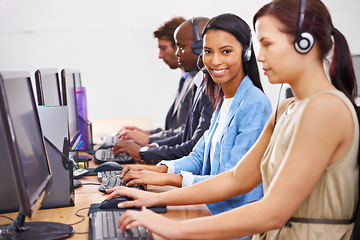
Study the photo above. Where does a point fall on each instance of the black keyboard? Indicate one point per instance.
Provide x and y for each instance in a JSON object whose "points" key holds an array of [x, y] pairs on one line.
{"points": [[105, 155], [111, 179], [103, 225], [108, 174]]}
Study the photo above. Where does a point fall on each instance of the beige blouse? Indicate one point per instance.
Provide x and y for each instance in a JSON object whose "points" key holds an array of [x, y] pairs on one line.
{"points": [[335, 195]]}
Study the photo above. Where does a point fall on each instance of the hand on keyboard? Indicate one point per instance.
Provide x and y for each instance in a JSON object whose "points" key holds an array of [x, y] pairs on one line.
{"points": [[140, 167], [103, 225], [148, 219], [136, 134], [111, 179], [106, 155], [152, 178], [130, 147]]}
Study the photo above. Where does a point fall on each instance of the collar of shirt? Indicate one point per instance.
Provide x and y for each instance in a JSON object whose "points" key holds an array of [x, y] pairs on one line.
{"points": [[198, 79], [184, 74]]}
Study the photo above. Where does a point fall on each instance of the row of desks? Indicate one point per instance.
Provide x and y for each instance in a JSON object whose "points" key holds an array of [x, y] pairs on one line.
{"points": [[88, 194]]}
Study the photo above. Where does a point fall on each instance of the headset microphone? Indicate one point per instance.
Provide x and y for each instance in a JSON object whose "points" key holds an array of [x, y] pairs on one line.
{"points": [[198, 63]]}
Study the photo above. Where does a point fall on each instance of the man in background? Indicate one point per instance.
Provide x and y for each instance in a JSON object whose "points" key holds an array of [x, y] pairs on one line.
{"points": [[198, 119], [176, 116]]}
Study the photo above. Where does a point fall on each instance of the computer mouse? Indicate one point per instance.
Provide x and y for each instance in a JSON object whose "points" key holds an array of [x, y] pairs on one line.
{"points": [[108, 166], [113, 203]]}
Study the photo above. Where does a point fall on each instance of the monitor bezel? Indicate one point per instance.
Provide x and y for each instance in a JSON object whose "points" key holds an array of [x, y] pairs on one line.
{"points": [[64, 72], [39, 73], [75, 72], [26, 206]]}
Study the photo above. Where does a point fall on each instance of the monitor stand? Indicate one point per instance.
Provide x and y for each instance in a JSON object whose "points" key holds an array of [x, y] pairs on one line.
{"points": [[34, 230]]}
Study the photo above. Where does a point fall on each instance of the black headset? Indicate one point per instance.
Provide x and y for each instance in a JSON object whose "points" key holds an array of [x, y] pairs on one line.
{"points": [[304, 41], [197, 44], [198, 63], [246, 54]]}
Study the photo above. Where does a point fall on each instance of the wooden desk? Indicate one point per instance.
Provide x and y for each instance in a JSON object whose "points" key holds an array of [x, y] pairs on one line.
{"points": [[88, 194]]}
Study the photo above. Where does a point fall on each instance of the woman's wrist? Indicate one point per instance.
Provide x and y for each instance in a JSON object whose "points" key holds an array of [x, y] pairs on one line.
{"points": [[159, 199], [174, 180], [161, 168]]}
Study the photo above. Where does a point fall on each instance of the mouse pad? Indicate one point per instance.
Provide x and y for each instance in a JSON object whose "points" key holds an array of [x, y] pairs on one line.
{"points": [[95, 208]]}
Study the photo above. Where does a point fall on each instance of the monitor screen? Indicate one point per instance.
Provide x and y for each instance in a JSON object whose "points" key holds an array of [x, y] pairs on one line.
{"points": [[69, 100], [30, 167], [24, 139], [48, 87]]}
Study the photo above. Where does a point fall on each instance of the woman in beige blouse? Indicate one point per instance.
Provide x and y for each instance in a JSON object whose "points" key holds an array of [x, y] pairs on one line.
{"points": [[306, 158]]}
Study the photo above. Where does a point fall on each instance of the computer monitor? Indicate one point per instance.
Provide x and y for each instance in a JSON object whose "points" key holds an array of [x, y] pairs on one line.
{"points": [[23, 141], [69, 100], [84, 125], [77, 77], [48, 87]]}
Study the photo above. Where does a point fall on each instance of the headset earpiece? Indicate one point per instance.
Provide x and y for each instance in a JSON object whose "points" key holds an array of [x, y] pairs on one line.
{"points": [[197, 44], [304, 41], [246, 53]]}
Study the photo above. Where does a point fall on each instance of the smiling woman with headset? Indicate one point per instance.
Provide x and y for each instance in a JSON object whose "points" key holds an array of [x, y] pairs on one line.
{"points": [[307, 162], [241, 112]]}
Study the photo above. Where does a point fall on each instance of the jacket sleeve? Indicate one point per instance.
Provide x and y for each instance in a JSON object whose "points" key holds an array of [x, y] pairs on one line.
{"points": [[165, 134], [194, 161], [173, 147]]}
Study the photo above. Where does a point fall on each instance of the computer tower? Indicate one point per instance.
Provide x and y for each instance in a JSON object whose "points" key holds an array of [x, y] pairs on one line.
{"points": [[53, 120]]}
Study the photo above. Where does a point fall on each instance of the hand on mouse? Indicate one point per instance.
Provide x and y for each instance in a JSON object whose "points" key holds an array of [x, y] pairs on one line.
{"points": [[141, 198]]}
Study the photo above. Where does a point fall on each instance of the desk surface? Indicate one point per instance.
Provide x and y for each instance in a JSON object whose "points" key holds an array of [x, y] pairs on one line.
{"points": [[88, 194]]}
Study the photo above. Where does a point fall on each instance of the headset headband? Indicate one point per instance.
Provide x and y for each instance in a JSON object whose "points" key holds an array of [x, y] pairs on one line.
{"points": [[195, 29]]}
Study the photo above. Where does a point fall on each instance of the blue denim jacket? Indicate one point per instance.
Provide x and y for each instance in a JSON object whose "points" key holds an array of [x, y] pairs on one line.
{"points": [[248, 114]]}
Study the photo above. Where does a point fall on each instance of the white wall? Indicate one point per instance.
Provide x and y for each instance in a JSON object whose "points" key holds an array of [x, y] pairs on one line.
{"points": [[111, 43]]}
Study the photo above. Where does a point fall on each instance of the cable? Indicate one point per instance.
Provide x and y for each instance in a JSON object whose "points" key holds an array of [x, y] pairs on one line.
{"points": [[7, 217], [277, 105], [77, 214], [98, 184], [82, 219], [80, 216]]}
